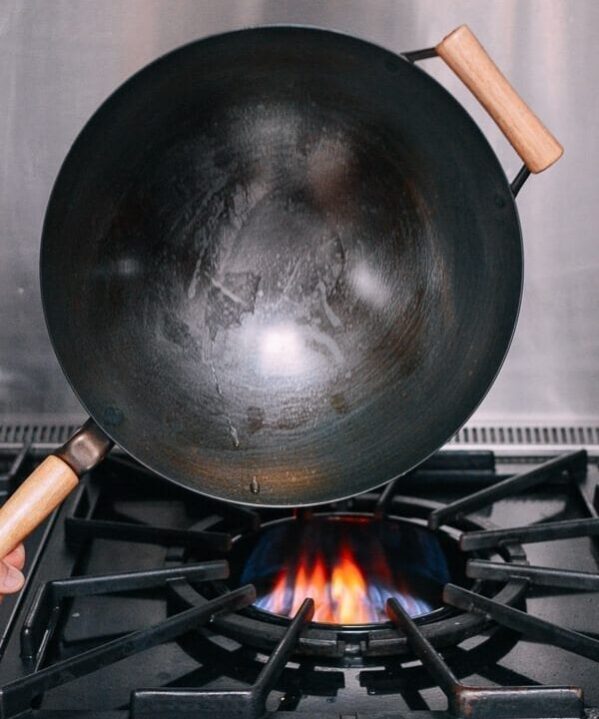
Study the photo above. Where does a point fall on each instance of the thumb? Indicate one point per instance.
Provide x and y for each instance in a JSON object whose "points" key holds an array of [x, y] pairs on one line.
{"points": [[11, 579]]}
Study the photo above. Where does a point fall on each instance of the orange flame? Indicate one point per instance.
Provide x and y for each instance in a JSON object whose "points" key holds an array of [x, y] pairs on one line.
{"points": [[340, 592]]}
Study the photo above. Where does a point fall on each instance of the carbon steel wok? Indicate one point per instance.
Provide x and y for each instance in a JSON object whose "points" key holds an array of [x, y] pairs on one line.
{"points": [[281, 266]]}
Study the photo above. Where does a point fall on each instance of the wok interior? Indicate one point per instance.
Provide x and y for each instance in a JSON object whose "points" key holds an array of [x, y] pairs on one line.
{"points": [[278, 287]]}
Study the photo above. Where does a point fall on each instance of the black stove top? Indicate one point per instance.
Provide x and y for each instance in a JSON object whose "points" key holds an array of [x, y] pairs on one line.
{"points": [[133, 605]]}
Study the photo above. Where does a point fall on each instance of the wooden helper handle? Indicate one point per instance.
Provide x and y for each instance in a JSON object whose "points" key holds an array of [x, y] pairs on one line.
{"points": [[50, 483], [529, 137], [40, 494]]}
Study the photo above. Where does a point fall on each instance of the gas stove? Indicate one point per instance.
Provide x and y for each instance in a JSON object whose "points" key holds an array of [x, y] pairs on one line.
{"points": [[137, 601]]}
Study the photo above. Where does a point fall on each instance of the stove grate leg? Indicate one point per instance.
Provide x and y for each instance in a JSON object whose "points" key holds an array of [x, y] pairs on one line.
{"points": [[546, 532], [247, 703], [16, 696], [574, 463], [44, 611], [537, 576], [519, 621], [468, 702]]}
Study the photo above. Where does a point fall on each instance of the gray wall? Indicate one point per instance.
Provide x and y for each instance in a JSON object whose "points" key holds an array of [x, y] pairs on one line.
{"points": [[60, 59]]}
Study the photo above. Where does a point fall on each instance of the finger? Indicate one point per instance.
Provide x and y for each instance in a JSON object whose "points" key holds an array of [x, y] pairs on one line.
{"points": [[11, 579], [16, 557]]}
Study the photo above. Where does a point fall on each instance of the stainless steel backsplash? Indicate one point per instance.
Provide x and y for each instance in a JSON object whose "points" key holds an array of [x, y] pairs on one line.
{"points": [[59, 60]]}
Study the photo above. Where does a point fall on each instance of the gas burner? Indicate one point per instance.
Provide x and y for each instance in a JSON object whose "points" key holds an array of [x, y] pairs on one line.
{"points": [[401, 520], [350, 564]]}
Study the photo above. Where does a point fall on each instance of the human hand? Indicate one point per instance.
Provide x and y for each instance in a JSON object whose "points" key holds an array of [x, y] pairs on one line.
{"points": [[11, 576]]}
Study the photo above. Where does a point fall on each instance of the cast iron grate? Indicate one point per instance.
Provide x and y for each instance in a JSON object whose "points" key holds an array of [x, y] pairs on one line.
{"points": [[207, 536]]}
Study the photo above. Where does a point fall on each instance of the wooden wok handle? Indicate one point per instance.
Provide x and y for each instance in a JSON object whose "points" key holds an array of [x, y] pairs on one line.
{"points": [[50, 483], [464, 54], [40, 494]]}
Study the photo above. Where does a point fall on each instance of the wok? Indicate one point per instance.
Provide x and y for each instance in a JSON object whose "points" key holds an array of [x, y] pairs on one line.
{"points": [[281, 266]]}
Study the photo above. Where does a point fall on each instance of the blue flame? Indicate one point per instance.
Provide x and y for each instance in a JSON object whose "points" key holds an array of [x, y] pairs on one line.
{"points": [[397, 559]]}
